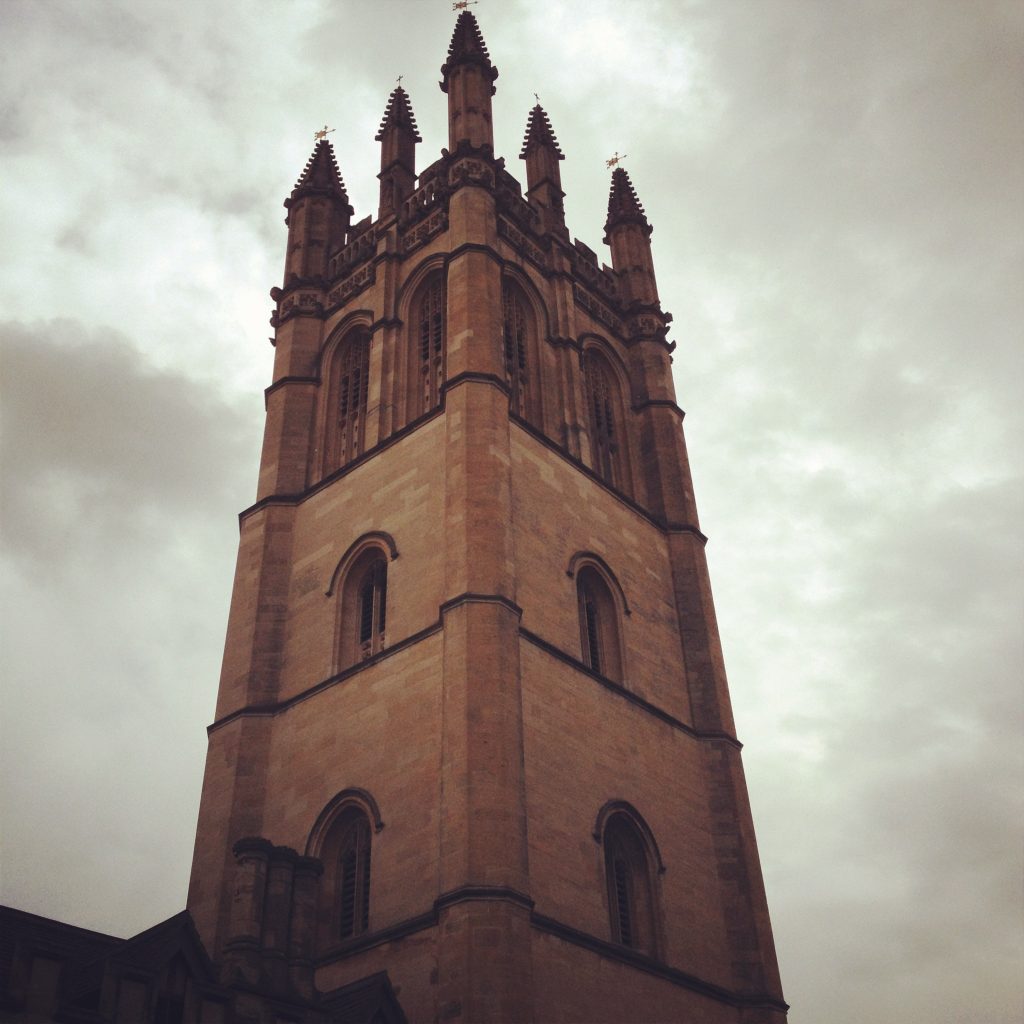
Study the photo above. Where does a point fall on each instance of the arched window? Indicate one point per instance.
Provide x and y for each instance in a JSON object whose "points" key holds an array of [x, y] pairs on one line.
{"points": [[341, 840], [516, 342], [599, 624], [606, 435], [364, 605], [352, 879], [349, 394], [630, 890], [429, 325]]}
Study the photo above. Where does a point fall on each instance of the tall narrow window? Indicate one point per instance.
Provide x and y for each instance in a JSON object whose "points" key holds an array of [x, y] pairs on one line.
{"points": [[602, 402], [515, 335], [630, 897], [430, 345], [599, 626], [363, 606], [353, 876], [350, 395], [373, 594]]}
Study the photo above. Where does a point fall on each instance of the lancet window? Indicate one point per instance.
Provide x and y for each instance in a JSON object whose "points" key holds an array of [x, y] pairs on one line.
{"points": [[599, 626], [606, 435], [630, 891], [362, 614], [352, 895], [429, 325], [349, 396], [516, 338]]}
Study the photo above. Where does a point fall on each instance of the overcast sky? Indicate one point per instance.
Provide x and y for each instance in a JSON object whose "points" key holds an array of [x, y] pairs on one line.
{"points": [[836, 190]]}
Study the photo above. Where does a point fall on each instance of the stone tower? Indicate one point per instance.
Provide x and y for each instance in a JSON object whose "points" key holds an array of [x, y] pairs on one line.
{"points": [[473, 757]]}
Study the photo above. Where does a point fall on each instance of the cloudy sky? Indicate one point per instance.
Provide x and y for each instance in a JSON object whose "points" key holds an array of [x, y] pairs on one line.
{"points": [[836, 188]]}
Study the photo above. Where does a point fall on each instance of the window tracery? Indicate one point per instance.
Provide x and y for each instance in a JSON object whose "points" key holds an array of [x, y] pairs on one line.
{"points": [[516, 338], [430, 331], [351, 390], [606, 433]]}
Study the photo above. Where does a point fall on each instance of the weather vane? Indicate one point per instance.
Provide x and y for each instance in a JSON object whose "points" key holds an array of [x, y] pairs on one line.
{"points": [[461, 5], [614, 162], [323, 133], [537, 98], [400, 77]]}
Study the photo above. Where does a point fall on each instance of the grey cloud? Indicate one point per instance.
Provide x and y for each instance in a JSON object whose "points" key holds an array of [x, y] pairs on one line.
{"points": [[113, 439]]}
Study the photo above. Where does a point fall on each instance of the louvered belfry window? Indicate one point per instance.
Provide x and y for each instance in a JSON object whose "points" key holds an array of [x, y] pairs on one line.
{"points": [[630, 897], [515, 333], [622, 881], [600, 641], [352, 391], [430, 326], [353, 891], [591, 631], [604, 432], [373, 596]]}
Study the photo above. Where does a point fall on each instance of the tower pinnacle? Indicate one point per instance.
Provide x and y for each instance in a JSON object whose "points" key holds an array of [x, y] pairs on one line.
{"points": [[467, 76], [467, 47], [623, 205], [628, 233], [398, 115], [539, 134], [543, 178], [319, 214], [397, 136], [321, 173]]}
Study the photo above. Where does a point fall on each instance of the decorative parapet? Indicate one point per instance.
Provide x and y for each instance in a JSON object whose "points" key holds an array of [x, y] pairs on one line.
{"points": [[426, 198], [352, 285], [422, 232], [597, 309], [360, 249], [471, 169], [522, 244]]}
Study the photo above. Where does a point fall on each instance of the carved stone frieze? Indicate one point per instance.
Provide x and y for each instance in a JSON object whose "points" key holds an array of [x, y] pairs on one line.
{"points": [[423, 231], [521, 243], [470, 171], [598, 310], [353, 284]]}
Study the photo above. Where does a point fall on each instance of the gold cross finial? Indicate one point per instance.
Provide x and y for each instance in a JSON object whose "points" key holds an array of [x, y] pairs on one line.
{"points": [[461, 5], [323, 133], [614, 162]]}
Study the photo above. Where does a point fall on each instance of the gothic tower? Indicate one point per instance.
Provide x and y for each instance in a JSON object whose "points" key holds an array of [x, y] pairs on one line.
{"points": [[473, 757]]}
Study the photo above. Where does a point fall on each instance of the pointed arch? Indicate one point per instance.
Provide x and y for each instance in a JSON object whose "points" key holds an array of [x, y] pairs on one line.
{"points": [[351, 797], [348, 383], [342, 839], [632, 864], [427, 345], [418, 386], [582, 558], [523, 319], [606, 419], [601, 644], [378, 538], [360, 581]]}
